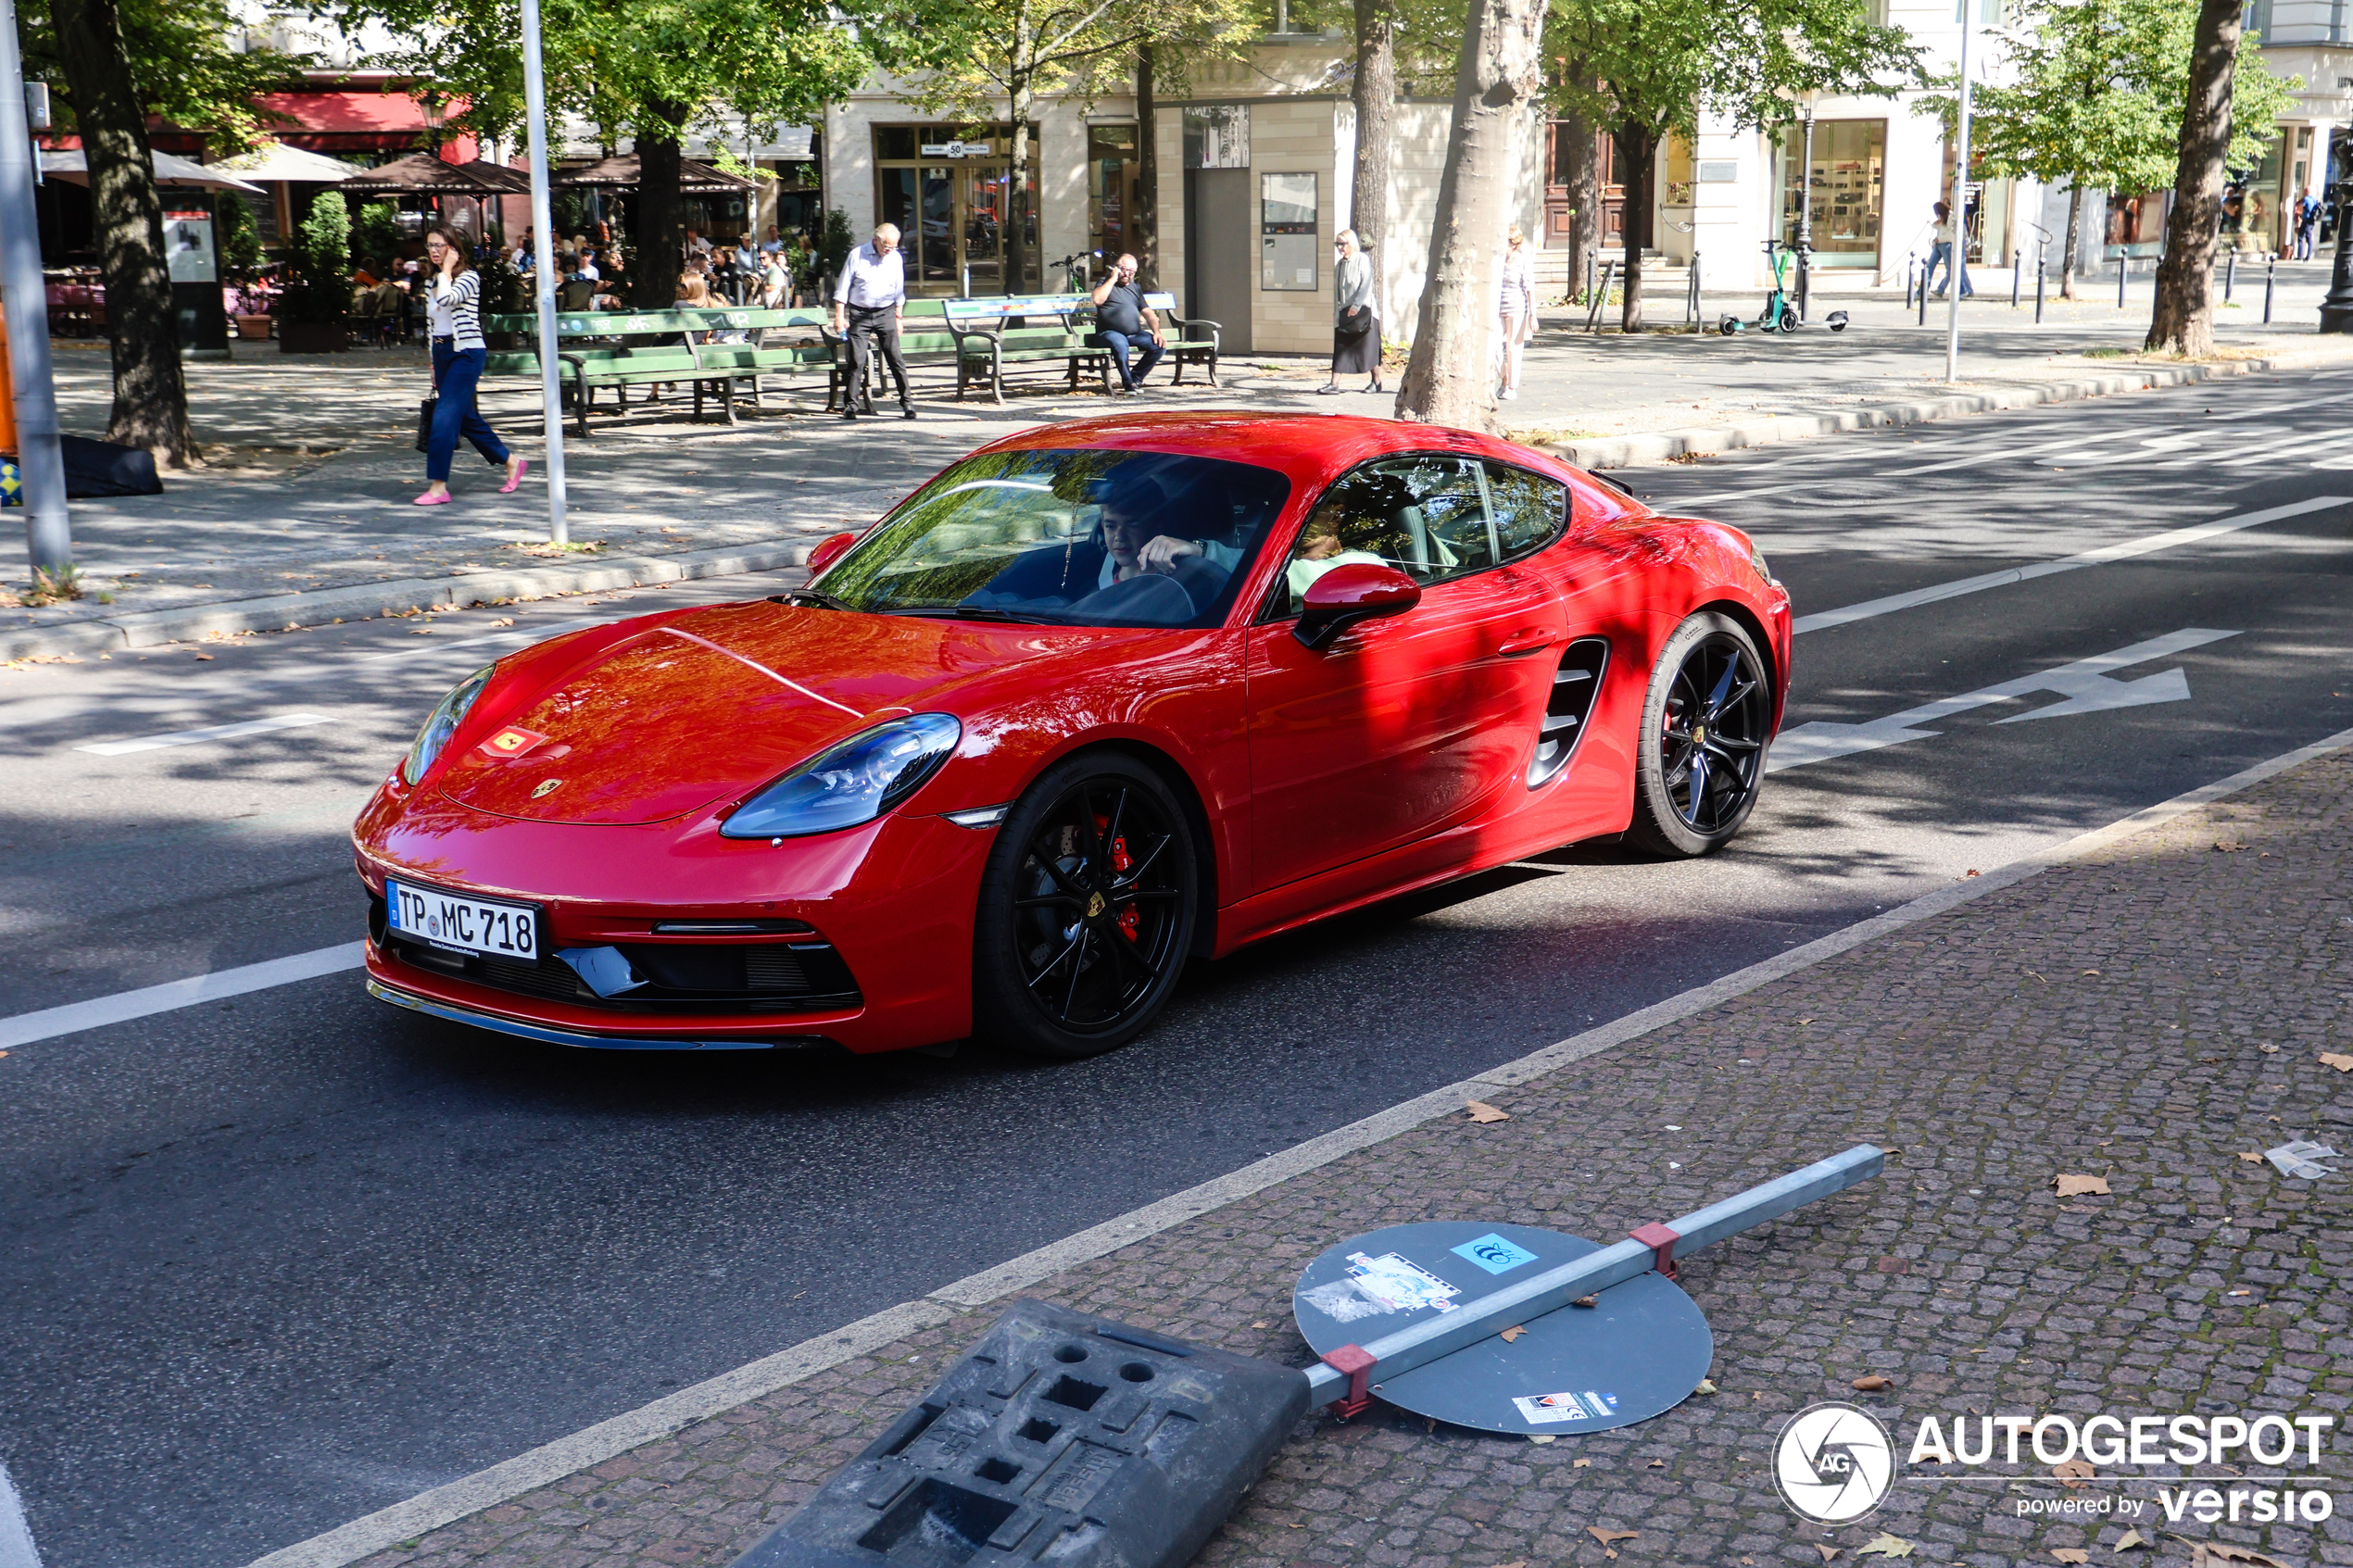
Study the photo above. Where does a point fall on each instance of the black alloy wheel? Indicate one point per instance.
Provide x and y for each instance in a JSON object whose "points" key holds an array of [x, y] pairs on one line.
{"points": [[1086, 909], [1706, 727]]}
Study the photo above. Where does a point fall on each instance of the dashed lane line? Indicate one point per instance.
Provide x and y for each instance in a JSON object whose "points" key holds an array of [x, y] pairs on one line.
{"points": [[210, 732], [48, 1023]]}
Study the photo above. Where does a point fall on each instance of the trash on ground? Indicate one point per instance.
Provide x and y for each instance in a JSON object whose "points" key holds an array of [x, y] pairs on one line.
{"points": [[2298, 1157], [2076, 1187], [1483, 1111], [1885, 1545]]}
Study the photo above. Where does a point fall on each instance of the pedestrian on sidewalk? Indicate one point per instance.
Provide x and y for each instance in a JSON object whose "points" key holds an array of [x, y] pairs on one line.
{"points": [[455, 317], [2308, 224], [1943, 251], [1355, 323], [868, 301], [1516, 306], [1123, 321]]}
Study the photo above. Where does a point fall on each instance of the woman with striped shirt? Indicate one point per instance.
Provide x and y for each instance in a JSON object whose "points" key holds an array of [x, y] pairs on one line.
{"points": [[459, 351]]}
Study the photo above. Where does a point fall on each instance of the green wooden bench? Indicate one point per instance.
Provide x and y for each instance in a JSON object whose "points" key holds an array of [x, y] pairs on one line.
{"points": [[1192, 339], [925, 343], [1055, 330], [606, 349]]}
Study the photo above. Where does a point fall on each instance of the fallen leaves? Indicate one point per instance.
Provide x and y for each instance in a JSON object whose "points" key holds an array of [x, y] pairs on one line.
{"points": [[1587, 1301], [2337, 1060], [2269, 1050], [1829, 1554], [2073, 1472], [2071, 1554], [2076, 1187], [2252, 1157], [1541, 1437], [1607, 1536], [1483, 1112], [504, 620], [1885, 1545], [1581, 1464], [1511, 1333], [2204, 1554], [2228, 846], [1873, 1383], [2130, 1539], [1704, 1387]]}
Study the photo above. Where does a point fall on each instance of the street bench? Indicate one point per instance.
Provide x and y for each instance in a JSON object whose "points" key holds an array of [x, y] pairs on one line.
{"points": [[987, 342], [1192, 339], [594, 350]]}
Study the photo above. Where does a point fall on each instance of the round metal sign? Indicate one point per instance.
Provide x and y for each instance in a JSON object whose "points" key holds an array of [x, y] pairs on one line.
{"points": [[1637, 1351]]}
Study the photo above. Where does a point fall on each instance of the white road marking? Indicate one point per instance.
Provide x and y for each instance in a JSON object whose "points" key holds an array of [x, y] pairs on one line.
{"points": [[528, 1472], [198, 737], [123, 1006], [17, 1549], [2149, 543], [2084, 685]]}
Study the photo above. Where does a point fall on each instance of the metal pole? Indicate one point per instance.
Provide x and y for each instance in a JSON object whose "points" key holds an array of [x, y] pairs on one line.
{"points": [[2123, 265], [2039, 265], [543, 224], [1925, 268], [2270, 277], [2016, 257], [1956, 267], [1589, 261], [1393, 1355], [47, 524], [2230, 274], [1806, 221], [2336, 311]]}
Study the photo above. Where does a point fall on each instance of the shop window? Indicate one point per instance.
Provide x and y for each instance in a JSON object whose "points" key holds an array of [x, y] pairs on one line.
{"points": [[949, 189], [1113, 191], [1218, 136], [1287, 222], [1848, 180]]}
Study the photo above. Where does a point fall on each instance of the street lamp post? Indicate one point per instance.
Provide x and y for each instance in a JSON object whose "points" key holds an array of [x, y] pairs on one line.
{"points": [[1957, 263], [2336, 311], [40, 459], [1806, 212], [543, 224]]}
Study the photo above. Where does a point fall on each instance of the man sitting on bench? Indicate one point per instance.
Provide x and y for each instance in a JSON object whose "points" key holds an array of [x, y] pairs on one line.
{"points": [[1122, 320]]}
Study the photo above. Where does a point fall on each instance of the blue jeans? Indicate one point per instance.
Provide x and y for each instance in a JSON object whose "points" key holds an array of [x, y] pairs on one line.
{"points": [[1942, 252], [1148, 351], [454, 375]]}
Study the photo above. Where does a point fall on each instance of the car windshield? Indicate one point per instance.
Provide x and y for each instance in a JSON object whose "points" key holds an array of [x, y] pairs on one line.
{"points": [[1079, 537]]}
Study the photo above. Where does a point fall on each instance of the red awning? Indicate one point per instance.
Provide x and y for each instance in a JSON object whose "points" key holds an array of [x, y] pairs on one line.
{"points": [[354, 119]]}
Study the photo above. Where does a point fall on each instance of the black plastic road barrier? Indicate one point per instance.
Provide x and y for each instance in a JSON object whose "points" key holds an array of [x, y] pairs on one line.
{"points": [[1060, 1438]]}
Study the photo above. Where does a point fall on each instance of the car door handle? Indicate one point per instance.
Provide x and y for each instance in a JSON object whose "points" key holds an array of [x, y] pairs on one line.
{"points": [[1523, 643]]}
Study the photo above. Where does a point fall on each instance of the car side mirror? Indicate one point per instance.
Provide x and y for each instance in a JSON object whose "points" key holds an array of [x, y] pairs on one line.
{"points": [[1345, 594], [829, 550]]}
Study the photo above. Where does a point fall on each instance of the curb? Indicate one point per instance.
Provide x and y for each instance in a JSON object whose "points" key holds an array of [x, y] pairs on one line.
{"points": [[286, 612], [1659, 446]]}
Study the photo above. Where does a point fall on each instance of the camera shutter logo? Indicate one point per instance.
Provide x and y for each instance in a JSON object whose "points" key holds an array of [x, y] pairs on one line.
{"points": [[1834, 1462]]}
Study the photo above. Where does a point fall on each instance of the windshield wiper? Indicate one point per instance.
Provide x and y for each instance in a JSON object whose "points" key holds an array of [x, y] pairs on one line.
{"points": [[812, 596], [974, 612]]}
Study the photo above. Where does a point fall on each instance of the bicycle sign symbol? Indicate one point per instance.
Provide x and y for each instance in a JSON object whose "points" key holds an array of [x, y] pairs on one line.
{"points": [[1495, 1254]]}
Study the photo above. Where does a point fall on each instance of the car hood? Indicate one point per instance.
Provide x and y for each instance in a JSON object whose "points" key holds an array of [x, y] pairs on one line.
{"points": [[711, 706]]}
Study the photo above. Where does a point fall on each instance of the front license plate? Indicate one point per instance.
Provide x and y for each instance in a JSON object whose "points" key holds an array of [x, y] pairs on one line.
{"points": [[462, 923]]}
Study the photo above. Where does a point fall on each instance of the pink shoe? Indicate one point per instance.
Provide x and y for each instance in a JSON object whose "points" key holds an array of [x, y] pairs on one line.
{"points": [[523, 466], [435, 500]]}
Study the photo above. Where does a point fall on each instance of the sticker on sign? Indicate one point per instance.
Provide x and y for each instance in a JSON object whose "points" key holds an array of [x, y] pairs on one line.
{"points": [[462, 923]]}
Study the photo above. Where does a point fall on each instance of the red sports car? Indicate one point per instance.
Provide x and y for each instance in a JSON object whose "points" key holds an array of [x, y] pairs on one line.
{"points": [[1100, 697]]}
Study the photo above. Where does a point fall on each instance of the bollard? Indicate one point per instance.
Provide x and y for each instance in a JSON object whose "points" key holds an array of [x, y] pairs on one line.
{"points": [[2016, 256], [2230, 274], [1589, 277], [1908, 283], [2122, 263], [1923, 294], [2038, 291], [2270, 277]]}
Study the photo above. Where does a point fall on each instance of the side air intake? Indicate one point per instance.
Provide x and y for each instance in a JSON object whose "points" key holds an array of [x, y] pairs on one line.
{"points": [[1574, 684]]}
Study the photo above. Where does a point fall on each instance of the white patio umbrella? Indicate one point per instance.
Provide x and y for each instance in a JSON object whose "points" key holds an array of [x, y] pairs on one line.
{"points": [[73, 169]]}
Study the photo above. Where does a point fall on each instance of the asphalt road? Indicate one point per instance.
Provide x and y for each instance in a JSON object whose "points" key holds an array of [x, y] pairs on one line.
{"points": [[276, 1262]]}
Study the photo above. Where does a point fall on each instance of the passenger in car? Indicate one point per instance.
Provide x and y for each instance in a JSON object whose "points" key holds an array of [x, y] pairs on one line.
{"points": [[1318, 551]]}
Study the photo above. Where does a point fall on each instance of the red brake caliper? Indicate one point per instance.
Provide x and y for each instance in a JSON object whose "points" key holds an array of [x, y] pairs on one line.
{"points": [[1122, 863]]}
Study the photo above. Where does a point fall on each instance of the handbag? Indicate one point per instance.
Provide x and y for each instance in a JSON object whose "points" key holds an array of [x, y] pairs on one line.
{"points": [[424, 421], [1355, 326]]}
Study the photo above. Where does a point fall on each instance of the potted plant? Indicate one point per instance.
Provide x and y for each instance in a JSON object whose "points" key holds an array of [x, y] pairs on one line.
{"points": [[314, 311]]}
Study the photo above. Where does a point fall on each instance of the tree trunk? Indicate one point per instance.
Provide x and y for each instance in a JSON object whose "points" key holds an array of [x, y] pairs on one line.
{"points": [[1636, 150], [2183, 318], [1376, 96], [1144, 222], [2074, 239], [653, 272], [1449, 378], [1017, 192], [1584, 193], [150, 396]]}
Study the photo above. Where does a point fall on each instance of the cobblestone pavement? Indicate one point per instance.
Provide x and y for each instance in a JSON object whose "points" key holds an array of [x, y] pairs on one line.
{"points": [[2149, 1012]]}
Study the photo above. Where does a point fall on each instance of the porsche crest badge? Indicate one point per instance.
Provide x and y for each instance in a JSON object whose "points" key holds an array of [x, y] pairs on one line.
{"points": [[546, 786]]}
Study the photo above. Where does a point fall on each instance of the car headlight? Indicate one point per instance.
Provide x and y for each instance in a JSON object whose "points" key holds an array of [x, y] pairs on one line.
{"points": [[853, 783], [443, 722], [1756, 560]]}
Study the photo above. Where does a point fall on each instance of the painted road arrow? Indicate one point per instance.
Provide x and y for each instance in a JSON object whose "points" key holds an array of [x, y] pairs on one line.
{"points": [[2085, 686]]}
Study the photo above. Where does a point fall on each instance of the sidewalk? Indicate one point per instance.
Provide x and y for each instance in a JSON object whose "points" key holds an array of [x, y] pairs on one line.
{"points": [[2149, 1009], [303, 514]]}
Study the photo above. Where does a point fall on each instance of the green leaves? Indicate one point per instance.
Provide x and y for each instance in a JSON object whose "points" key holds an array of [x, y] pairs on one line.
{"points": [[2098, 95]]}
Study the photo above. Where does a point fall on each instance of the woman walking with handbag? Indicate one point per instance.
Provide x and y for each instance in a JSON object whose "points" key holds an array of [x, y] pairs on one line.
{"points": [[1355, 328], [1517, 308], [453, 310]]}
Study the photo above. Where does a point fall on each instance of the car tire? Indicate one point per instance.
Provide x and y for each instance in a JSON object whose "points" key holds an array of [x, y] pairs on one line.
{"points": [[1707, 726], [1078, 941]]}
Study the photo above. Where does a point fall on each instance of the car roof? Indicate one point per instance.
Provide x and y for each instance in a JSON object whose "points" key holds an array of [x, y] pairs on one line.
{"points": [[1308, 447]]}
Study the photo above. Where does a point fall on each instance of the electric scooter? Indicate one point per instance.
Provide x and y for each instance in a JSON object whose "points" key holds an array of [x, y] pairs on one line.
{"points": [[1778, 314]]}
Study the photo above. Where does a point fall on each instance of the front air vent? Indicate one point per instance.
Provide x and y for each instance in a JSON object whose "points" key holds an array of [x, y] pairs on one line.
{"points": [[1575, 686]]}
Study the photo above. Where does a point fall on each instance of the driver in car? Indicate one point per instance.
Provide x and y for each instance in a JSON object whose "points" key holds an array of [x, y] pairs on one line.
{"points": [[1131, 549]]}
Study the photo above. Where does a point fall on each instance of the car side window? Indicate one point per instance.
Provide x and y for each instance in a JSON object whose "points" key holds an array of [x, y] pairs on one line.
{"points": [[1424, 515], [1529, 508]]}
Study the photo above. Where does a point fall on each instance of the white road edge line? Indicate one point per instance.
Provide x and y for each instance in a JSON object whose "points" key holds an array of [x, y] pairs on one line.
{"points": [[17, 1549], [197, 737], [2146, 544], [526, 1471], [26, 1028]]}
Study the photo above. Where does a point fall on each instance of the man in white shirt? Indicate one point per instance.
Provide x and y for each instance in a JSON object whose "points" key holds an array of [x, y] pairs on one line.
{"points": [[588, 266], [868, 301], [524, 253]]}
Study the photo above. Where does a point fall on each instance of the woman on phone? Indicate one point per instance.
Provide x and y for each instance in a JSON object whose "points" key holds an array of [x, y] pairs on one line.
{"points": [[452, 307]]}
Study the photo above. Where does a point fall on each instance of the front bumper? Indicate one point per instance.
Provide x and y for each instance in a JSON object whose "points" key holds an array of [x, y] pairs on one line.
{"points": [[546, 1035]]}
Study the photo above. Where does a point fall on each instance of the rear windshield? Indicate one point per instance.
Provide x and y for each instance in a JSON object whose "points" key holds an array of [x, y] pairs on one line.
{"points": [[1078, 537]]}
